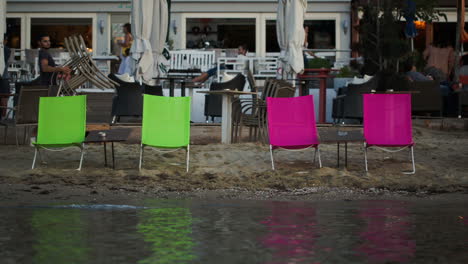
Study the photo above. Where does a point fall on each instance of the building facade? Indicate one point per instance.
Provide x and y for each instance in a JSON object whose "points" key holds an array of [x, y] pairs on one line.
{"points": [[193, 24]]}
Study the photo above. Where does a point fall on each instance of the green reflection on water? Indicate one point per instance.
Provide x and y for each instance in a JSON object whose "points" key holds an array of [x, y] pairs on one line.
{"points": [[168, 231], [60, 236]]}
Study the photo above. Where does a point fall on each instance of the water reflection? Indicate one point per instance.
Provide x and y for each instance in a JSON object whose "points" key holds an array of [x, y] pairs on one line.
{"points": [[292, 233], [168, 231], [386, 237], [60, 236], [237, 232]]}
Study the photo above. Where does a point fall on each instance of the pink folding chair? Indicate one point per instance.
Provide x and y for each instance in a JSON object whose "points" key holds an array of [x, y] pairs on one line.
{"points": [[387, 123], [291, 124]]}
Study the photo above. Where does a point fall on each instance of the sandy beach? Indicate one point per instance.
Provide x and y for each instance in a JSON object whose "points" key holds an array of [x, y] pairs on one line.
{"points": [[235, 170]]}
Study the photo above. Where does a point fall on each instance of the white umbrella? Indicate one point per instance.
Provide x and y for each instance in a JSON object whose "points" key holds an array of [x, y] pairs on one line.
{"points": [[291, 35], [2, 32], [149, 23]]}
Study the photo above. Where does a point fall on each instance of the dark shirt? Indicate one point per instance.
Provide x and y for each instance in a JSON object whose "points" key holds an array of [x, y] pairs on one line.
{"points": [[46, 77], [4, 84], [6, 57]]}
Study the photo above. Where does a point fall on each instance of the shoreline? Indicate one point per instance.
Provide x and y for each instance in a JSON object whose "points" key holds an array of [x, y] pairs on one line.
{"points": [[237, 170], [13, 195]]}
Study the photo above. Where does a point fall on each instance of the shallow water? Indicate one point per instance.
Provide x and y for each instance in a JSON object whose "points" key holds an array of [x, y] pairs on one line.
{"points": [[186, 231]]}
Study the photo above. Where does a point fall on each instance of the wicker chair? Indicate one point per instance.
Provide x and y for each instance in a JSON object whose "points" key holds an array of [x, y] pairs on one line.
{"points": [[251, 113], [213, 102], [26, 111]]}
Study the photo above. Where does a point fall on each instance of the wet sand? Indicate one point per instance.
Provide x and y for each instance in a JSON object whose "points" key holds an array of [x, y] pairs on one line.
{"points": [[235, 171]]}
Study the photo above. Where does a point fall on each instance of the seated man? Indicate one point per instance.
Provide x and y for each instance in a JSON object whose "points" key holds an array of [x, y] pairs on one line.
{"points": [[414, 76], [241, 53]]}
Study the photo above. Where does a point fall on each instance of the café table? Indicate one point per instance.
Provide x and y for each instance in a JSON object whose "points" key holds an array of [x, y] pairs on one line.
{"points": [[106, 136], [339, 136], [226, 122]]}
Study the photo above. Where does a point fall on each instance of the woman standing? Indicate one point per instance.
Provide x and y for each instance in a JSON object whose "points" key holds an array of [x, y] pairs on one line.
{"points": [[126, 44]]}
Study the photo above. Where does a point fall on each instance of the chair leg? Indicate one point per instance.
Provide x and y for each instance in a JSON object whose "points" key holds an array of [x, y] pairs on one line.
{"points": [[34, 160], [188, 157], [315, 155], [365, 156], [271, 156], [82, 154], [5, 136], [25, 134], [412, 161], [141, 157], [16, 136], [319, 158]]}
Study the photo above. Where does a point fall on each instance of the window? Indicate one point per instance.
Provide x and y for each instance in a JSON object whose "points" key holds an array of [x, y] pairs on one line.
{"points": [[14, 32], [220, 32], [60, 28], [321, 35]]}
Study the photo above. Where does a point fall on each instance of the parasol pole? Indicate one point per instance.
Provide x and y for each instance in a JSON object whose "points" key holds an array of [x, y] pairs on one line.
{"points": [[458, 46]]}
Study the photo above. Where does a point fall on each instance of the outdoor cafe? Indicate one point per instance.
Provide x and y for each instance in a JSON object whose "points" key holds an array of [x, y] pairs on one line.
{"points": [[236, 96]]}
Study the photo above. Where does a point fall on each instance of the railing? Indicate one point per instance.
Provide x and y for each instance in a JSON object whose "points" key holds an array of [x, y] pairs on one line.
{"points": [[338, 57], [261, 67], [186, 59]]}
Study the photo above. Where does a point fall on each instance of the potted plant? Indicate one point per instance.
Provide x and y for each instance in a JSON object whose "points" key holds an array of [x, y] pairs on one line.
{"points": [[346, 74]]}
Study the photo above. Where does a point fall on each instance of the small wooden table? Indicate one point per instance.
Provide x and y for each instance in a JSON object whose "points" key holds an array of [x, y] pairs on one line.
{"points": [[104, 136], [341, 136], [226, 123]]}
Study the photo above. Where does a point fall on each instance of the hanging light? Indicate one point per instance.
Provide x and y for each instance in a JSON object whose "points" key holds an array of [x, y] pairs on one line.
{"points": [[420, 24]]}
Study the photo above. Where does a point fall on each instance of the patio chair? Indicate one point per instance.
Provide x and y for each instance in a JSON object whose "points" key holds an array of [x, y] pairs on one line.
{"points": [[214, 102], [24, 110], [291, 125], [166, 124], [61, 124], [252, 112], [387, 123], [128, 100]]}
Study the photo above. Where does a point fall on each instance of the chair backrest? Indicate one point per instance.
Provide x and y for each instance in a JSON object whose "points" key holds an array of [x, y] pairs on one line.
{"points": [[237, 83], [27, 108], [129, 101], [387, 119], [251, 80], [428, 97], [291, 121], [284, 89], [166, 121], [62, 120]]}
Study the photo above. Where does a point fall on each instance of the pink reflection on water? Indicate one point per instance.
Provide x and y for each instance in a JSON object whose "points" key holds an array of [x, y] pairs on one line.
{"points": [[386, 237], [292, 234]]}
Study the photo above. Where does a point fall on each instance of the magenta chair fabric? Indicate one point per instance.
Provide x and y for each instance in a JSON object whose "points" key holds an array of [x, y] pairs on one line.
{"points": [[291, 122], [387, 120]]}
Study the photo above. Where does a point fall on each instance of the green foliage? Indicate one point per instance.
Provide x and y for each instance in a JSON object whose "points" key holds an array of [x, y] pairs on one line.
{"points": [[346, 72], [318, 63], [381, 43]]}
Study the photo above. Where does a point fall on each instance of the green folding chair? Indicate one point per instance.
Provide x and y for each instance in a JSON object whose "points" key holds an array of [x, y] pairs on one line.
{"points": [[166, 124], [61, 124]]}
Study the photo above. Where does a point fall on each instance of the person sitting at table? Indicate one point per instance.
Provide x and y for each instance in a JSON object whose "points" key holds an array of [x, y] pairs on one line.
{"points": [[241, 54]]}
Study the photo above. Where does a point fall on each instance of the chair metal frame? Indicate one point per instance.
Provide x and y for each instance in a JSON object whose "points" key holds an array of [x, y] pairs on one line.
{"points": [[61, 147]]}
